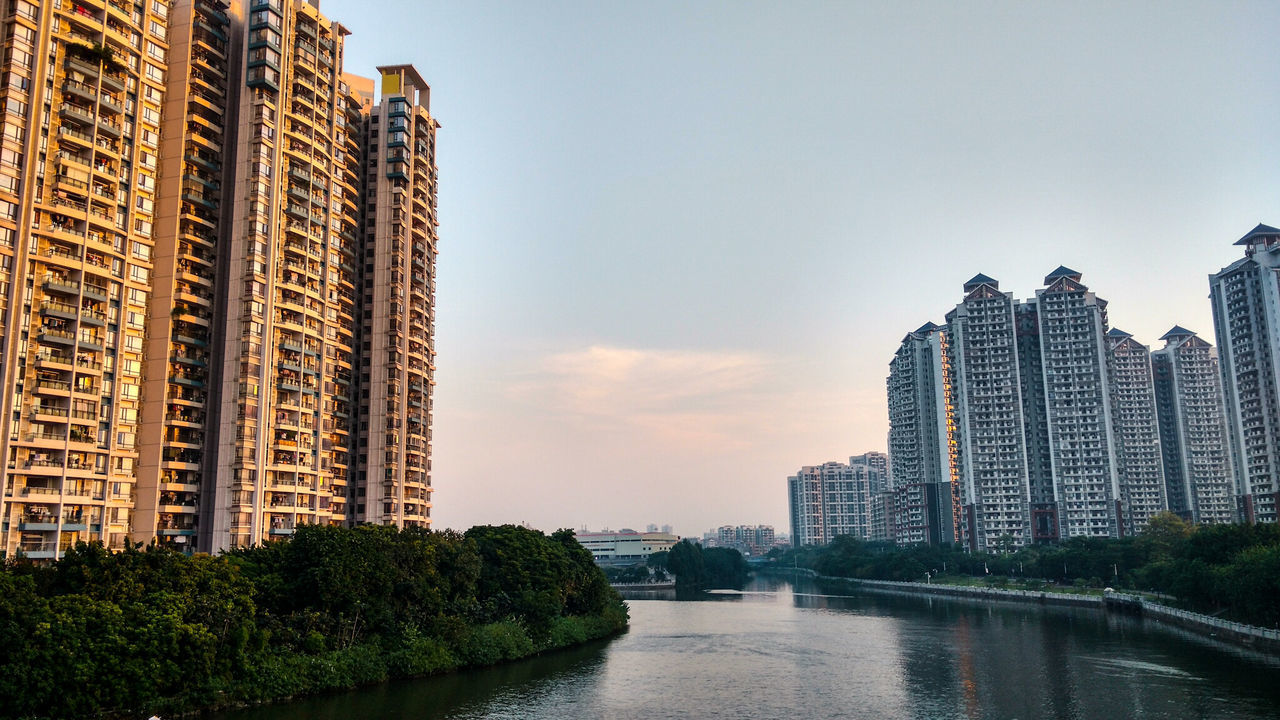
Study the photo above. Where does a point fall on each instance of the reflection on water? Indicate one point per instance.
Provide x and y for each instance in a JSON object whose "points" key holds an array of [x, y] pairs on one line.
{"points": [[776, 651]]}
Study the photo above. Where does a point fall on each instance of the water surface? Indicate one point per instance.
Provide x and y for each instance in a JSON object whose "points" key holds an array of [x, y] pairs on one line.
{"points": [[779, 651]]}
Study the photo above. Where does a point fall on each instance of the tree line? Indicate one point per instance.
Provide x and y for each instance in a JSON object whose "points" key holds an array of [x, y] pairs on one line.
{"points": [[697, 568], [152, 631], [1226, 570]]}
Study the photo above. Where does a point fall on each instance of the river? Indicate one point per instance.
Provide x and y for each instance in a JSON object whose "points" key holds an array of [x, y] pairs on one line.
{"points": [[784, 651]]}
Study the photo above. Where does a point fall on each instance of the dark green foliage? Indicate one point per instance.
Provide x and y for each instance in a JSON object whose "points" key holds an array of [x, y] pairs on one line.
{"points": [[698, 568], [101, 634], [1220, 569]]}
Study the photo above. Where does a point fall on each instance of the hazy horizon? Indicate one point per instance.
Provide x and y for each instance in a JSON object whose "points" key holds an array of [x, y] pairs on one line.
{"points": [[680, 243]]}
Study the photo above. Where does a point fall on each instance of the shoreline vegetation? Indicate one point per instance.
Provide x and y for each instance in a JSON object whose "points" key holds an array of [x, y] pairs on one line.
{"points": [[1228, 572], [142, 632]]}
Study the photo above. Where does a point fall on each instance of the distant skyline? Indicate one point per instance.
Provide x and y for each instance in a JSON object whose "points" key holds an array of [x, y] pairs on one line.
{"points": [[680, 243]]}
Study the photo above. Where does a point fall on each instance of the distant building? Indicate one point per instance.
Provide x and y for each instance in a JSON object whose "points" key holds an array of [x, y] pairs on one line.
{"points": [[747, 539], [624, 547], [921, 504], [1073, 322], [835, 498], [1197, 463], [1142, 482], [991, 451], [1246, 316]]}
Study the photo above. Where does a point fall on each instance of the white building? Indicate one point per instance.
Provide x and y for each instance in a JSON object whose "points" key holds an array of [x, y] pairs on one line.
{"points": [[1133, 401], [835, 499], [1073, 323], [624, 547], [1246, 316], [1193, 429], [924, 505], [991, 451]]}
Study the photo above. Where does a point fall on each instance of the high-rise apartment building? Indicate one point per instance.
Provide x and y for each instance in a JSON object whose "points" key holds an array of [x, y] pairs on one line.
{"points": [[184, 238], [172, 428], [835, 499], [1073, 323], [1133, 403], [992, 447], [1035, 422], [397, 348], [1197, 463], [925, 504], [79, 162], [288, 316], [1246, 317], [749, 539]]}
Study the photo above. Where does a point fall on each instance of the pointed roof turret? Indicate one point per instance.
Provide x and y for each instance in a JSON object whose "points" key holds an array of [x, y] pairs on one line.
{"points": [[1061, 272], [1176, 332], [981, 279], [926, 328], [1258, 234], [1118, 334]]}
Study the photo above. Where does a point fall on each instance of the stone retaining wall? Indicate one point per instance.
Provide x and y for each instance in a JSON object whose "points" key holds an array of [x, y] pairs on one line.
{"points": [[1257, 638]]}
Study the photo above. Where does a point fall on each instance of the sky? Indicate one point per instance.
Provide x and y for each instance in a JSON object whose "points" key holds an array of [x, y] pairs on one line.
{"points": [[681, 241]]}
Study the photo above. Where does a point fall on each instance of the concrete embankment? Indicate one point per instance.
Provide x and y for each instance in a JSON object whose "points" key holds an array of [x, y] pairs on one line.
{"points": [[1250, 636]]}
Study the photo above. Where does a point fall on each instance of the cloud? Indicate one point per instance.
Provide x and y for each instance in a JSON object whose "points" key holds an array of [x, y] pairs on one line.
{"points": [[684, 397]]}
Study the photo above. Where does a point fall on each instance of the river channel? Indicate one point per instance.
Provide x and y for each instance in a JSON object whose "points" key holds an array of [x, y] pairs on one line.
{"points": [[780, 650]]}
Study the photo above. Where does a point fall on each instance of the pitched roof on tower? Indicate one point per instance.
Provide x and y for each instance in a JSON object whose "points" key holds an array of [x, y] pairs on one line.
{"points": [[1062, 271], [926, 328], [981, 279], [1118, 333], [1177, 331], [1258, 233]]}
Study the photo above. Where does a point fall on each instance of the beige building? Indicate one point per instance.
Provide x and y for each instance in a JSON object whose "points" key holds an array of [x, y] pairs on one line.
{"points": [[283, 430], [203, 208], [177, 381], [79, 160], [393, 480]]}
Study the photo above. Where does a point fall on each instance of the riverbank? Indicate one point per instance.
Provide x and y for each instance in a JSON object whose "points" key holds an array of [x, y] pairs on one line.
{"points": [[141, 632], [1249, 636]]}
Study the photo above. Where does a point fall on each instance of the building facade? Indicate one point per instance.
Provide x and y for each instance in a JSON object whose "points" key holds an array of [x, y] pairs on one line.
{"points": [[835, 499], [1193, 430], [991, 451], [79, 170], [1073, 360], [1133, 402], [624, 547], [398, 305], [182, 249], [924, 502], [1246, 318]]}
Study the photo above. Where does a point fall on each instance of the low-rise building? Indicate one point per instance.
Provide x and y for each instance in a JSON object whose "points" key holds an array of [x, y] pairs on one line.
{"points": [[625, 546]]}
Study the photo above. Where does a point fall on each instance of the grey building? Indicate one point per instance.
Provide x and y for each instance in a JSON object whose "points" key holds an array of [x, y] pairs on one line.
{"points": [[1073, 322], [1197, 465], [924, 503], [1246, 317], [991, 451], [1133, 402]]}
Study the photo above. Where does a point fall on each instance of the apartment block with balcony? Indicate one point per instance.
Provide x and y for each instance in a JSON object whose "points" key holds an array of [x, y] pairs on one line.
{"points": [[288, 312], [1133, 402], [1073, 325], [1246, 318], [1193, 429], [922, 452], [833, 499], [78, 170], [991, 448], [398, 305], [177, 382]]}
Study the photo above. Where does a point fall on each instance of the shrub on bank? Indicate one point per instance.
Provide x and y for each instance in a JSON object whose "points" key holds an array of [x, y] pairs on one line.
{"points": [[129, 634]]}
